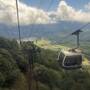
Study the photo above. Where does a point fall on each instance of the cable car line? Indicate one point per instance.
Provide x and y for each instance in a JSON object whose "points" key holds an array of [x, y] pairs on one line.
{"points": [[31, 61], [72, 58], [34, 20], [18, 22], [50, 5], [67, 36], [81, 27]]}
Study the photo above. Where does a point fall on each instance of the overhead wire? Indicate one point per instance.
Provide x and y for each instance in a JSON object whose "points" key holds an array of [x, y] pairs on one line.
{"points": [[48, 8], [18, 22], [84, 25], [18, 19], [67, 36], [34, 20], [87, 55], [50, 5]]}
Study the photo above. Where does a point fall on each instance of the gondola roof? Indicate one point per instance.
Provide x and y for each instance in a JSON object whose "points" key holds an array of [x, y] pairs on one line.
{"points": [[70, 53]]}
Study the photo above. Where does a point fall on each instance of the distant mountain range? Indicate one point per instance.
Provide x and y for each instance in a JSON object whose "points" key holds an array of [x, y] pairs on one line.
{"points": [[54, 32]]}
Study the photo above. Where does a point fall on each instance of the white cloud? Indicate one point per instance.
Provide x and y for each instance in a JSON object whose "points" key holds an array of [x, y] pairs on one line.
{"points": [[31, 15], [67, 12], [28, 15], [87, 6]]}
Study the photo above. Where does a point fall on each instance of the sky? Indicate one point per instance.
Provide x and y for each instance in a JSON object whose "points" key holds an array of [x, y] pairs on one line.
{"points": [[44, 11], [78, 4]]}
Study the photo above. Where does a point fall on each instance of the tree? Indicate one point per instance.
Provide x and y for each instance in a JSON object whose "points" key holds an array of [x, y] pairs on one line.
{"points": [[8, 69], [78, 86]]}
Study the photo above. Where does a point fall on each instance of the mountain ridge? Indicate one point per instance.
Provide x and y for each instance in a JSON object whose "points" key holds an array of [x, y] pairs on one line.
{"points": [[53, 31]]}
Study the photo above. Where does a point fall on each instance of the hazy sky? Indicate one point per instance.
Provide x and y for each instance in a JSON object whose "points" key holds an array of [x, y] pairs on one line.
{"points": [[45, 11], [78, 4]]}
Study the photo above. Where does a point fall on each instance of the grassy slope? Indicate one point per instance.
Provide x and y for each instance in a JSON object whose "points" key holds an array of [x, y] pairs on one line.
{"points": [[47, 45]]}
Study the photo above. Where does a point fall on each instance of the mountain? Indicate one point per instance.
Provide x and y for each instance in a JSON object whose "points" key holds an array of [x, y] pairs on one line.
{"points": [[54, 32]]}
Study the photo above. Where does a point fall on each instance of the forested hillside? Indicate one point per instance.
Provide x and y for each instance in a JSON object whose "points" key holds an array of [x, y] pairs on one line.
{"points": [[47, 73]]}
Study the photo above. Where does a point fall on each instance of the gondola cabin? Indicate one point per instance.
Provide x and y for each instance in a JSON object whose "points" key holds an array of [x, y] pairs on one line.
{"points": [[70, 59]]}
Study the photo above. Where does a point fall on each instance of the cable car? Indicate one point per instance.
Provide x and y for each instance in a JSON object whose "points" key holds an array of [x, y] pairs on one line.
{"points": [[70, 59]]}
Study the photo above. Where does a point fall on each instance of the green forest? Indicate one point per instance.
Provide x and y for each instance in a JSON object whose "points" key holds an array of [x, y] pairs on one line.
{"points": [[47, 73]]}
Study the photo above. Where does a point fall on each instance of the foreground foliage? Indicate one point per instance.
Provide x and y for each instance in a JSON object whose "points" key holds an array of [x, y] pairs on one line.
{"points": [[47, 74]]}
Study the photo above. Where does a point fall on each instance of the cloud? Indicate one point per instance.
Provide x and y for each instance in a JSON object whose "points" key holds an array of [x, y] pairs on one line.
{"points": [[87, 6], [31, 15], [27, 14], [67, 12]]}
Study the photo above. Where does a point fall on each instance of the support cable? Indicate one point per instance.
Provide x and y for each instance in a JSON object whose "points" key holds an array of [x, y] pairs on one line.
{"points": [[67, 36], [18, 22]]}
